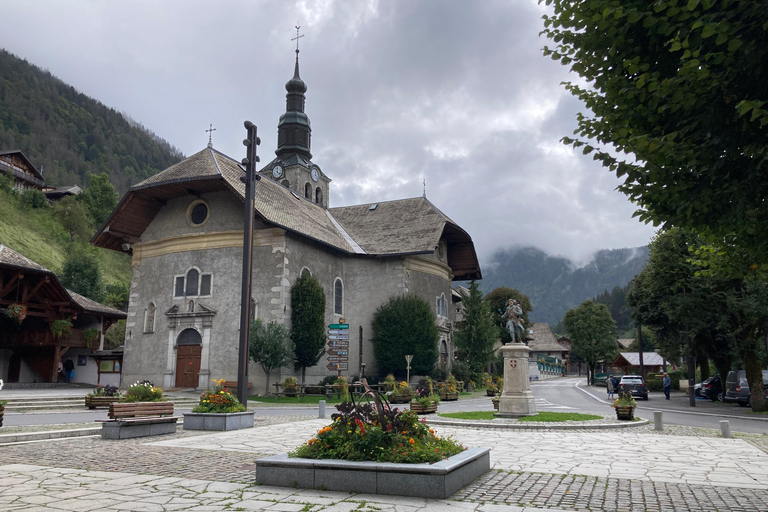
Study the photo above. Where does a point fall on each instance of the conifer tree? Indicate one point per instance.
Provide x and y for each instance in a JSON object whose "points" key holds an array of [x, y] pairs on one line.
{"points": [[308, 321], [476, 334]]}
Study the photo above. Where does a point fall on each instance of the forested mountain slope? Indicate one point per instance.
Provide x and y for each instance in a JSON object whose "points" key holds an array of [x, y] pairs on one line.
{"points": [[554, 283], [70, 135]]}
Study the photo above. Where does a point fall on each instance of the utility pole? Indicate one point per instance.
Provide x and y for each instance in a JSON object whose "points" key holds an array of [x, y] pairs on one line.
{"points": [[640, 344], [250, 161]]}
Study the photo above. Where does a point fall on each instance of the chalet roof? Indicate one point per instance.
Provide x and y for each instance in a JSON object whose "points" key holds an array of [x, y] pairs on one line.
{"points": [[408, 226], [544, 340], [633, 358], [91, 306], [10, 257], [37, 174], [54, 290]]}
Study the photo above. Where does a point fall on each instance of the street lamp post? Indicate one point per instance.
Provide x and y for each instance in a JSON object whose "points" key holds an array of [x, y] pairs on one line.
{"points": [[250, 161]]}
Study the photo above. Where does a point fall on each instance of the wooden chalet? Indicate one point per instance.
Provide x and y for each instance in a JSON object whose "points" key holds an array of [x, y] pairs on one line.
{"points": [[25, 174], [31, 299]]}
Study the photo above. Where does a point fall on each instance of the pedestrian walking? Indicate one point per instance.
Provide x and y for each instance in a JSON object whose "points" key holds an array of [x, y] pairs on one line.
{"points": [[667, 383], [610, 387]]}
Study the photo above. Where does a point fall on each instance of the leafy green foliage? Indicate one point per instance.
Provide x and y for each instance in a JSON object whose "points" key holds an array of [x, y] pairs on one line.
{"points": [[143, 391], [359, 433], [81, 273], [33, 198], [307, 322], [405, 325], [592, 332], [114, 337], [99, 198], [679, 87], [74, 218], [218, 401], [497, 301], [477, 333], [70, 135], [270, 346]]}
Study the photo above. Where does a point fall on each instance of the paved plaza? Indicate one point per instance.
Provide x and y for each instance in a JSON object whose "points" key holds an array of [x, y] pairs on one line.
{"points": [[616, 470]]}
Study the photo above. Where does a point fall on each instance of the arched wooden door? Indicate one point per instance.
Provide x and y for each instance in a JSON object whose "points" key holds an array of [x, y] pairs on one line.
{"points": [[188, 353]]}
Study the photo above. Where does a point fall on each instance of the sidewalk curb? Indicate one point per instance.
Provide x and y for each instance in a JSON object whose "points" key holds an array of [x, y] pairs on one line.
{"points": [[536, 426], [23, 437]]}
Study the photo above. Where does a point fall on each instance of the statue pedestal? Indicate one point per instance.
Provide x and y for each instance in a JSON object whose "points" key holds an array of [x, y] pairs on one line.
{"points": [[516, 400]]}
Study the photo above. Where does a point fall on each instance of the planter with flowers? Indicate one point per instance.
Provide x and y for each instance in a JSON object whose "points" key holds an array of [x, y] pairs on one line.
{"points": [[387, 450], [290, 386], [388, 384], [142, 411], [61, 328], [218, 409], [625, 407], [426, 400], [448, 389], [16, 311], [102, 396], [402, 393]]}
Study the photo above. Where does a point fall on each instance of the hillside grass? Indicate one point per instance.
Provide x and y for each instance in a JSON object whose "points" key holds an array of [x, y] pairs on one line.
{"points": [[36, 234]]}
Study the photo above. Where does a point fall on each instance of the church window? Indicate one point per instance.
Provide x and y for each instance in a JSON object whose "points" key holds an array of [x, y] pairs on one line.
{"points": [[193, 284], [189, 337], [198, 213], [308, 191], [305, 272], [338, 297], [286, 183], [319, 196], [442, 306], [149, 318]]}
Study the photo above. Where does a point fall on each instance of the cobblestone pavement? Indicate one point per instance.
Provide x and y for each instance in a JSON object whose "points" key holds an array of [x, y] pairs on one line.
{"points": [[681, 469]]}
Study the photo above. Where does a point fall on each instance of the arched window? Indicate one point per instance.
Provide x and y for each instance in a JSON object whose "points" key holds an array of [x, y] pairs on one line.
{"points": [[305, 272], [319, 196], [338, 297], [443, 353], [149, 318], [286, 183], [189, 337], [193, 276], [442, 306], [308, 191]]}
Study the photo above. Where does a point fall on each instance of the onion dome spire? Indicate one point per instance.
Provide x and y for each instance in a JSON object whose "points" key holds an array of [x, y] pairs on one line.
{"points": [[293, 131]]}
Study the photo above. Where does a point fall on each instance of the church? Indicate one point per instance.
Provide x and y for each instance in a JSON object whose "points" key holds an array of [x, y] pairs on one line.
{"points": [[184, 231]]}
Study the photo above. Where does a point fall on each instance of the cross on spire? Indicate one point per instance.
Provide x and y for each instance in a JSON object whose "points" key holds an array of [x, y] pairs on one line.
{"points": [[210, 131], [297, 38]]}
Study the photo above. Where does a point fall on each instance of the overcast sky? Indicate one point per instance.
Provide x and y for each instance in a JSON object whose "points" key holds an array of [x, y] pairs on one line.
{"points": [[456, 93]]}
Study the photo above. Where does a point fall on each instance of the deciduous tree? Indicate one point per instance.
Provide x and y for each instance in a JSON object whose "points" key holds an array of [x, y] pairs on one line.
{"points": [[81, 272], [405, 325], [270, 346], [100, 198], [593, 334], [679, 87]]}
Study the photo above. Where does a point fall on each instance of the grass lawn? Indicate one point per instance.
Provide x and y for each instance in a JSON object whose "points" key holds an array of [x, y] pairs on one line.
{"points": [[542, 416], [293, 400]]}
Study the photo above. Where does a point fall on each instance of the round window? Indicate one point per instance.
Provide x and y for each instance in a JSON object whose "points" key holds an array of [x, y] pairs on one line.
{"points": [[198, 213]]}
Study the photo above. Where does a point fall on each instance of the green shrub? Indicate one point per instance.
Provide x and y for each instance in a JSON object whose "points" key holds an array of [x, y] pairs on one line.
{"points": [[143, 391], [33, 198]]}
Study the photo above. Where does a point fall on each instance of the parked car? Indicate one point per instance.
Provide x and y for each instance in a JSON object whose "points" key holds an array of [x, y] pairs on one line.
{"points": [[634, 385], [737, 388], [712, 389]]}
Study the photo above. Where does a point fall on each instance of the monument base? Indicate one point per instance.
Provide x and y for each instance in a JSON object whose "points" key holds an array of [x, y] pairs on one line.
{"points": [[516, 405]]}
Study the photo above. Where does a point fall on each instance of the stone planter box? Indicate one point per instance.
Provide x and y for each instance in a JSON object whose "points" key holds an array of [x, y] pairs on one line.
{"points": [[218, 421], [449, 396], [625, 413], [92, 402], [439, 480], [417, 408]]}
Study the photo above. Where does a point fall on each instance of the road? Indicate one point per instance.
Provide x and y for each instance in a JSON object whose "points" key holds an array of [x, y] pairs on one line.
{"points": [[560, 395]]}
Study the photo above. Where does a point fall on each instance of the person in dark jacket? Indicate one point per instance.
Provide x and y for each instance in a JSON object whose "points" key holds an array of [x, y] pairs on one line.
{"points": [[667, 383], [69, 370]]}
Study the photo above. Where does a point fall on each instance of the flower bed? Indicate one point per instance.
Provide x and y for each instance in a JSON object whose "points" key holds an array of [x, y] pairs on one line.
{"points": [[102, 396], [625, 407], [218, 410]]}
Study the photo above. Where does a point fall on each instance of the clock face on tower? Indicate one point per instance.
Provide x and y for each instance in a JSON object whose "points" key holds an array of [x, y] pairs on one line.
{"points": [[277, 171], [315, 175]]}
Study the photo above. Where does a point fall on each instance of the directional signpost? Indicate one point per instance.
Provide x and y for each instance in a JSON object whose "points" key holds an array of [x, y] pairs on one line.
{"points": [[338, 347]]}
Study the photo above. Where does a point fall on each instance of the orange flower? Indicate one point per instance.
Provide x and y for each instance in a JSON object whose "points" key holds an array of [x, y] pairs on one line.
{"points": [[411, 441], [311, 441]]}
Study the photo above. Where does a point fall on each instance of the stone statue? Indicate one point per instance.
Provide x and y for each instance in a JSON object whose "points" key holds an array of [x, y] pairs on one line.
{"points": [[514, 316]]}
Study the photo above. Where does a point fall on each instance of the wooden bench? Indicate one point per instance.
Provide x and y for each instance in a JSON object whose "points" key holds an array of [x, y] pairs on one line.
{"points": [[138, 419], [232, 384]]}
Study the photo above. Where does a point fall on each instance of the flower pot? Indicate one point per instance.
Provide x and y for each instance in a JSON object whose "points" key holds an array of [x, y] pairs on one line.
{"points": [[419, 409], [449, 396], [496, 404], [93, 402], [625, 413]]}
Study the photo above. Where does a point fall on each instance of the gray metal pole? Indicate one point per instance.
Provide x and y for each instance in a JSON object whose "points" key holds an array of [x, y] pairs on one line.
{"points": [[251, 142]]}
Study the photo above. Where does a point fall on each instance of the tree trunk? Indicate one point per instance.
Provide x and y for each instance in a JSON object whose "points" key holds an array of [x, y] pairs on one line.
{"points": [[591, 374], [303, 375], [754, 372], [268, 374], [704, 366]]}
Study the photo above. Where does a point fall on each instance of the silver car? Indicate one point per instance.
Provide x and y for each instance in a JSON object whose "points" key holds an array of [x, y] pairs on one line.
{"points": [[737, 387]]}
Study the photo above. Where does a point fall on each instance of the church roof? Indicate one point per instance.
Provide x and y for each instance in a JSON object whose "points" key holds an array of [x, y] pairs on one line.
{"points": [[407, 226], [544, 340]]}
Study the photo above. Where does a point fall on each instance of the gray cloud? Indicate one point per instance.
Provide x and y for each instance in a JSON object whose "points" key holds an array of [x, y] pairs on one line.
{"points": [[454, 92]]}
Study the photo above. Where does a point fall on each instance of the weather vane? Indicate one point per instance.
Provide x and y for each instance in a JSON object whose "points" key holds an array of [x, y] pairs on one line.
{"points": [[297, 37], [210, 131]]}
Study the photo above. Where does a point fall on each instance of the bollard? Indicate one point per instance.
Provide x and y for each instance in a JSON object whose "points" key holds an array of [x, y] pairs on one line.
{"points": [[658, 420], [321, 411], [725, 429]]}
